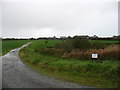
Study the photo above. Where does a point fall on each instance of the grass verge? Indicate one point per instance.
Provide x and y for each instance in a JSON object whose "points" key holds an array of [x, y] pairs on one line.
{"points": [[84, 72]]}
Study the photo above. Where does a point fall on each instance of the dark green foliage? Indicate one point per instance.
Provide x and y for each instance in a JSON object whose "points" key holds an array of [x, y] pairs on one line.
{"points": [[51, 51], [35, 61], [98, 45], [80, 44], [67, 46]]}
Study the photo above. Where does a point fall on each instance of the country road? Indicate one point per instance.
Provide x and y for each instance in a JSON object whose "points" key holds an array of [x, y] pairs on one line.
{"points": [[15, 74]]}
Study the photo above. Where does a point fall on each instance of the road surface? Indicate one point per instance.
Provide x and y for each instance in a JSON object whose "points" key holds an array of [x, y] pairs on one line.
{"points": [[15, 74]]}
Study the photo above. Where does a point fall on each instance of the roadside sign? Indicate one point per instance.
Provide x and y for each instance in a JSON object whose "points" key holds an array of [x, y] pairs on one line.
{"points": [[95, 56]]}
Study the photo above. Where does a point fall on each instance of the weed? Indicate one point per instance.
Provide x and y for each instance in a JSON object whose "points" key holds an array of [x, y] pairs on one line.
{"points": [[104, 74]]}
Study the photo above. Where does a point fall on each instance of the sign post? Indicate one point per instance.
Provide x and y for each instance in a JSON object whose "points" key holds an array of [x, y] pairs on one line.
{"points": [[94, 56]]}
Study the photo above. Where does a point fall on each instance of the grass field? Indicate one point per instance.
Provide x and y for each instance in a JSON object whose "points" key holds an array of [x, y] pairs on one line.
{"points": [[86, 72], [0, 47], [11, 44], [108, 42]]}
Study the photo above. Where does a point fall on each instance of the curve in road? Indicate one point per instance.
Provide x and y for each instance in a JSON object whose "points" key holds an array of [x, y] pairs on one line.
{"points": [[15, 74]]}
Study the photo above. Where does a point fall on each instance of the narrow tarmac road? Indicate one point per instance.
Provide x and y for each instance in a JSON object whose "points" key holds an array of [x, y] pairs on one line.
{"points": [[15, 74]]}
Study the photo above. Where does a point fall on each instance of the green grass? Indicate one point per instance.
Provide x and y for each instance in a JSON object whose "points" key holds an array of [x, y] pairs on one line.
{"points": [[84, 72], [0, 47], [107, 41], [11, 44]]}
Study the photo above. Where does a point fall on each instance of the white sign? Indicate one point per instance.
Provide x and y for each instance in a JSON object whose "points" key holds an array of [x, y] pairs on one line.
{"points": [[94, 55]]}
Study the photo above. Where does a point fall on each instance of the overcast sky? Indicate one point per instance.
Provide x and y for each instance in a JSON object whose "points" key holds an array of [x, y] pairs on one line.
{"points": [[48, 18]]}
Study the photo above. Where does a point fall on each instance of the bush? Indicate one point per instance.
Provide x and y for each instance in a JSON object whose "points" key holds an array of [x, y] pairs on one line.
{"points": [[35, 61], [81, 44], [98, 45], [67, 46], [51, 51]]}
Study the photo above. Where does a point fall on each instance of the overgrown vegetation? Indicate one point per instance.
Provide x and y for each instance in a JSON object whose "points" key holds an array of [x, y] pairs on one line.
{"points": [[81, 44], [82, 49], [45, 57]]}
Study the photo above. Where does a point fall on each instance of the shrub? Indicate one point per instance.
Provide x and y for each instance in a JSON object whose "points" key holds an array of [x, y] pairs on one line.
{"points": [[35, 61], [51, 51], [81, 44], [67, 46], [98, 45]]}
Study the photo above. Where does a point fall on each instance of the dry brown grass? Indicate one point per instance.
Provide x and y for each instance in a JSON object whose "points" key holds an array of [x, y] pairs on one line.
{"points": [[111, 52]]}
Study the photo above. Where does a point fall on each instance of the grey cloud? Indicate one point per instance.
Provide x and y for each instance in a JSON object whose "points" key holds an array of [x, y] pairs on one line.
{"points": [[63, 18]]}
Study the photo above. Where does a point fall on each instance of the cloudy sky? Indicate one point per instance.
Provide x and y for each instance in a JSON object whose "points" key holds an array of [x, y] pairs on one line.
{"points": [[48, 18]]}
